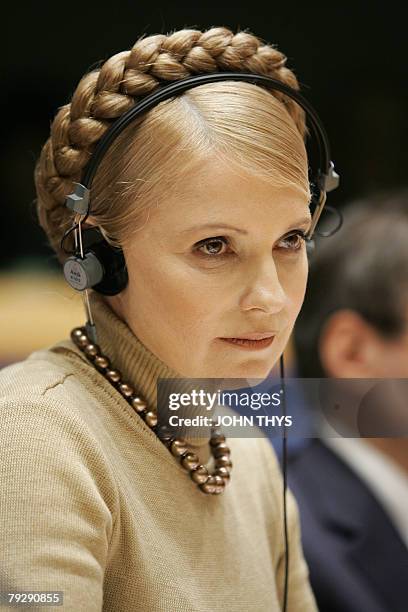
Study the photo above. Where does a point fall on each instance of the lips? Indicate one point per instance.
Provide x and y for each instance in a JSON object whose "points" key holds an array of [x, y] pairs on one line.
{"points": [[245, 343], [253, 336]]}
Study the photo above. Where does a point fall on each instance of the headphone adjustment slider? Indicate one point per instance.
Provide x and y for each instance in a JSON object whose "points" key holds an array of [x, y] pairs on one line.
{"points": [[331, 180], [78, 200]]}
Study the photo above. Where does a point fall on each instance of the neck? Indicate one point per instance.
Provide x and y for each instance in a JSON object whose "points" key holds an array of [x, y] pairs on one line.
{"points": [[395, 448], [138, 365]]}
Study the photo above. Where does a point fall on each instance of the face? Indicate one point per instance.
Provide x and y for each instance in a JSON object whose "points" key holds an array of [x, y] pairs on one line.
{"points": [[193, 280], [351, 348]]}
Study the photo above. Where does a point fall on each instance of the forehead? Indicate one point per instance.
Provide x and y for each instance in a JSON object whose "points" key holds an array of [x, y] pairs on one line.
{"points": [[218, 192]]}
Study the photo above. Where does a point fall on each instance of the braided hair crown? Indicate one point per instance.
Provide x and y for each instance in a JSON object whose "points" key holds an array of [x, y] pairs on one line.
{"points": [[107, 92]]}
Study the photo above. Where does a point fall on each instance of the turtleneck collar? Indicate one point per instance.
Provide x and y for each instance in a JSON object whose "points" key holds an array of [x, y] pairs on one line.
{"points": [[137, 364]]}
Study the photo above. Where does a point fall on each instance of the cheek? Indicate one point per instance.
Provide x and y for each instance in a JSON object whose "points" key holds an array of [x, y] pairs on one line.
{"points": [[295, 280], [171, 294], [295, 286], [395, 362]]}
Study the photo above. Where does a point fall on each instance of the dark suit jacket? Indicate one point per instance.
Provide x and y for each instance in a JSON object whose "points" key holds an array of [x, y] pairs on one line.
{"points": [[357, 560]]}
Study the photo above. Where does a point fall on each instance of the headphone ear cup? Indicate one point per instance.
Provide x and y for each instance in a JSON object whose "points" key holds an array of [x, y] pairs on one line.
{"points": [[115, 275], [83, 273]]}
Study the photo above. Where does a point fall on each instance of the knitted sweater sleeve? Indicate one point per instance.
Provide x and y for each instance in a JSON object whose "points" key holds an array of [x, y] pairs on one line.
{"points": [[57, 504]]}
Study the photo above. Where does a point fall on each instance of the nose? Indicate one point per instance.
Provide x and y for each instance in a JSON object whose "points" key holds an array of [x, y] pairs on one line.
{"points": [[263, 289]]}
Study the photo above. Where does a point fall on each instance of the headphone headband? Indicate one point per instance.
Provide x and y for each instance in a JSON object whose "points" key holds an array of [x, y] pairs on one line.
{"points": [[326, 178]]}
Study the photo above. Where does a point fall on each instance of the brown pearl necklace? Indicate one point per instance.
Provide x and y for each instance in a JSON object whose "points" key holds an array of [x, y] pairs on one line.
{"points": [[210, 483]]}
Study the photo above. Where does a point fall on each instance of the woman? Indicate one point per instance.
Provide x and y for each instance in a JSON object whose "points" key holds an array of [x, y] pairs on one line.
{"points": [[97, 506]]}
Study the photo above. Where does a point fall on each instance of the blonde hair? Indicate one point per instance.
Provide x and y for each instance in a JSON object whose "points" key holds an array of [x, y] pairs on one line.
{"points": [[258, 130]]}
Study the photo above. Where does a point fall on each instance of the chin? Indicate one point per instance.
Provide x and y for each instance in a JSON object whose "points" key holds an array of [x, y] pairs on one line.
{"points": [[245, 371]]}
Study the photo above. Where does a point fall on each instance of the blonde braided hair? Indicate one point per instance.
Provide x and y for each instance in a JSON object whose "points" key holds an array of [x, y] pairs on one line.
{"points": [[164, 136]]}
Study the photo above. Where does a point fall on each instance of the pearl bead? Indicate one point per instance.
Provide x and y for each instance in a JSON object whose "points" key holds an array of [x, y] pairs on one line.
{"points": [[219, 484], [190, 461], [164, 434], [101, 362], [200, 474], [76, 333], [178, 447], [221, 449], [113, 375], [209, 486], [217, 438], [91, 350], [138, 404], [223, 461], [151, 418], [82, 341], [223, 472], [126, 389]]}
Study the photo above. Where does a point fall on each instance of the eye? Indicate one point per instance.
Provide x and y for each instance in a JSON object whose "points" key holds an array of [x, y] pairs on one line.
{"points": [[212, 247], [294, 241], [216, 246]]}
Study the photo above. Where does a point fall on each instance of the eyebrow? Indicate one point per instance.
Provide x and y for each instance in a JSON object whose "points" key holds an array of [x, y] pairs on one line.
{"points": [[302, 221]]}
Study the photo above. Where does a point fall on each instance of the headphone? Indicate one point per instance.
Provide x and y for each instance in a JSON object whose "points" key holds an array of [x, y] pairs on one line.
{"points": [[96, 264]]}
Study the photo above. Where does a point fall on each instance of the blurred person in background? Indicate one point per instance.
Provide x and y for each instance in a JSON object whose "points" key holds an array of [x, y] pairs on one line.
{"points": [[353, 492]]}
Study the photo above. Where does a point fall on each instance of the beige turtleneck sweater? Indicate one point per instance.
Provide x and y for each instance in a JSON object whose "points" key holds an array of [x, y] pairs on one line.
{"points": [[94, 505]]}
